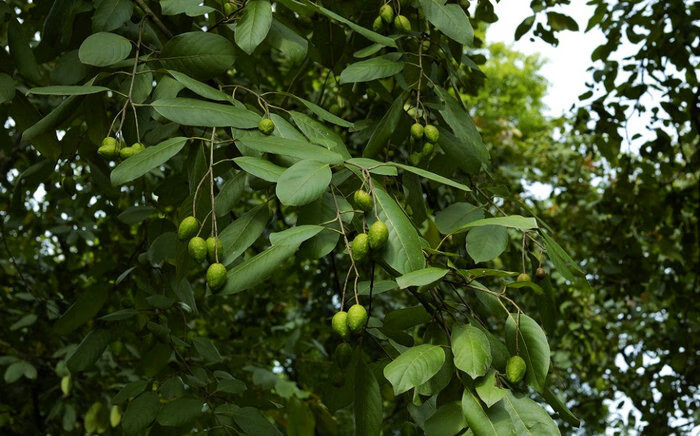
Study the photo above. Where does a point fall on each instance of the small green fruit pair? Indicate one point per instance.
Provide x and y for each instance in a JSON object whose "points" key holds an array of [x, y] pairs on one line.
{"points": [[211, 249], [109, 148], [515, 369], [343, 323], [374, 240], [127, 152]]}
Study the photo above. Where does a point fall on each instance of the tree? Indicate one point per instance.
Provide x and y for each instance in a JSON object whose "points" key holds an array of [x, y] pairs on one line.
{"points": [[115, 325]]}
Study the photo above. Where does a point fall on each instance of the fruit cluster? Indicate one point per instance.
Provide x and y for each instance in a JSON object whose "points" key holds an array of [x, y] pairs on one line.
{"points": [[352, 321], [111, 148], [386, 17], [429, 134], [375, 239], [210, 249]]}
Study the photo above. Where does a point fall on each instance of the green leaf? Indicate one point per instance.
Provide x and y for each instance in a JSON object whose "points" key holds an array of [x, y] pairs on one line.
{"points": [[256, 269], [89, 350], [201, 55], [528, 417], [524, 26], [152, 157], [240, 234], [372, 36], [191, 8], [561, 260], [560, 407], [49, 123], [380, 287], [323, 212], [303, 182], [67, 90], [136, 214], [367, 406], [291, 147], [252, 27], [384, 129], [261, 168], [431, 176], [295, 235], [375, 68], [407, 317], [486, 242], [249, 419], [16, 370], [103, 49], [85, 307], [448, 420], [477, 419], [371, 165], [561, 22], [471, 349], [469, 145], [129, 391], [180, 412], [414, 367], [207, 349], [455, 216], [111, 14], [201, 88], [22, 52], [450, 19], [532, 346], [488, 390], [192, 112], [403, 251], [287, 41], [229, 194], [140, 413], [421, 277], [26, 321], [513, 221], [7, 88], [321, 112]]}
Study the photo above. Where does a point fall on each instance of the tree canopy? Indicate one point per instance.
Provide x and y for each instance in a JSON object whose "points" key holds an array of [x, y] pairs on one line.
{"points": [[314, 218]]}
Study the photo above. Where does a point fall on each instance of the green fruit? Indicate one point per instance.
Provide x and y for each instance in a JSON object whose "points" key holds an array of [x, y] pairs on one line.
{"points": [[197, 249], [428, 148], [229, 8], [515, 369], [524, 277], [386, 13], [363, 200], [339, 324], [216, 276], [431, 133], [359, 247], [378, 235], [357, 318], [66, 384], [343, 354], [402, 24], [415, 158], [138, 147], [115, 416], [417, 131], [215, 249], [266, 126], [108, 151], [110, 141], [540, 273], [126, 152], [464, 4], [188, 228], [378, 24]]}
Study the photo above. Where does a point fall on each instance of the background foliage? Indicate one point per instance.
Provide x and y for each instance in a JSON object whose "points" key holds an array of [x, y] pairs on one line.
{"points": [[109, 325]]}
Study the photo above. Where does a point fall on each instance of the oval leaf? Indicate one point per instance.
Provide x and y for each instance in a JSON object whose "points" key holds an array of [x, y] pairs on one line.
{"points": [[103, 49], [192, 112], [138, 165], [303, 182], [254, 24], [532, 346], [471, 349], [200, 55], [372, 69], [414, 367]]}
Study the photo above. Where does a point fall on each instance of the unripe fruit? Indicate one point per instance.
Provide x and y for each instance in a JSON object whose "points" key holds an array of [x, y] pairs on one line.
{"points": [[229, 8], [216, 276], [197, 248], [126, 152], [343, 354], [523, 277], [110, 141], [431, 133], [540, 273], [266, 126], [428, 148], [115, 416], [378, 235], [464, 4], [215, 249], [339, 324], [359, 247], [515, 369], [357, 318], [386, 13], [66, 384], [378, 24], [417, 131], [402, 24], [138, 147], [415, 158], [108, 151], [363, 200], [188, 228]]}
